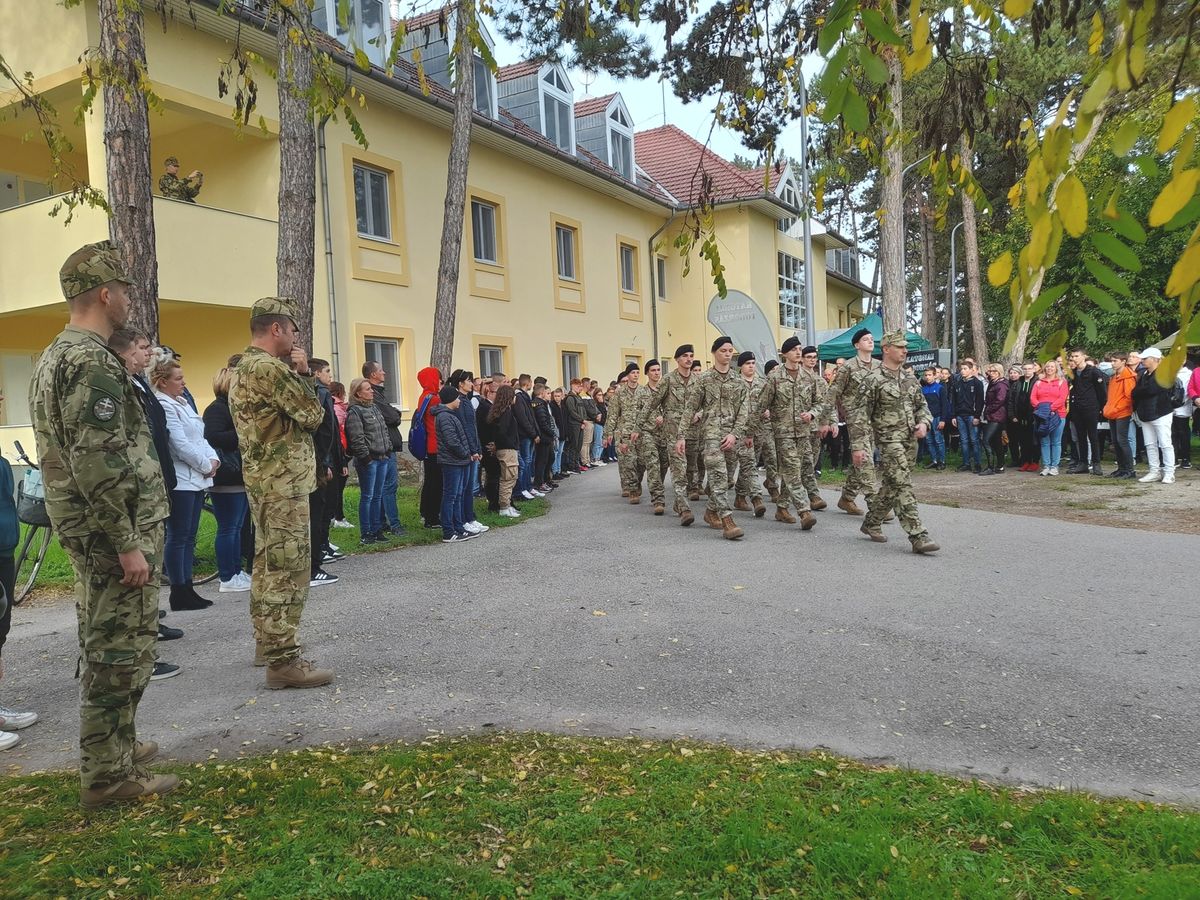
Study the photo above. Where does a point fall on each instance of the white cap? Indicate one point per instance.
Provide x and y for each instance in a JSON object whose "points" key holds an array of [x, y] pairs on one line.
{"points": [[1151, 353]]}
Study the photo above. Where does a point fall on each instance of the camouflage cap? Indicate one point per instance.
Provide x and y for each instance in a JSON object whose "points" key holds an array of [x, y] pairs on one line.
{"points": [[91, 266], [172, 161], [275, 306], [895, 339]]}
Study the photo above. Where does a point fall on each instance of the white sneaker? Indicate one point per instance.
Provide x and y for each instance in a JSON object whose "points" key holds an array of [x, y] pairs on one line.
{"points": [[528, 495], [600, 463], [1153, 475], [339, 523], [238, 584], [1169, 478], [469, 528], [479, 527], [537, 493], [1054, 470], [8, 739], [510, 512], [15, 719], [1045, 472]]}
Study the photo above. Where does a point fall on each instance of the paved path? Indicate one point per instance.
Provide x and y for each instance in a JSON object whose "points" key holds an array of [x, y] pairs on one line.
{"points": [[1027, 650]]}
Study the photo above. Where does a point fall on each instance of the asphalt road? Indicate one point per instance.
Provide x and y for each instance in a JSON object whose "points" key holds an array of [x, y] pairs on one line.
{"points": [[1028, 651]]}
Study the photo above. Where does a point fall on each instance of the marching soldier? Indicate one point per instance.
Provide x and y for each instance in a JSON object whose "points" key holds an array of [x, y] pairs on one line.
{"points": [[663, 411], [792, 407], [720, 396], [651, 437], [620, 428], [845, 390], [186, 189], [826, 425], [106, 500], [757, 431], [273, 400], [890, 411], [695, 455]]}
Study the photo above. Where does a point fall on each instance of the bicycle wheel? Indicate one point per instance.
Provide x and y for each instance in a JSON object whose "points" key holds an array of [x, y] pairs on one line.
{"points": [[204, 566], [34, 545]]}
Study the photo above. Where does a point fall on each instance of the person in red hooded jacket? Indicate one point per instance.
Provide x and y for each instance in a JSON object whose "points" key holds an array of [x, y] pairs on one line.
{"points": [[430, 380]]}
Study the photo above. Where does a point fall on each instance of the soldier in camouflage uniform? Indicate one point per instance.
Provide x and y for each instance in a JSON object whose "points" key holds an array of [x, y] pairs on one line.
{"points": [[695, 451], [186, 189], [758, 430], [107, 502], [792, 406], [720, 395], [826, 424], [273, 401], [890, 409], [663, 411], [620, 428], [845, 390], [651, 437]]}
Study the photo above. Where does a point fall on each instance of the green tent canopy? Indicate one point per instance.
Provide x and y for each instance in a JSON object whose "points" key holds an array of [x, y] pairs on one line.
{"points": [[840, 346]]}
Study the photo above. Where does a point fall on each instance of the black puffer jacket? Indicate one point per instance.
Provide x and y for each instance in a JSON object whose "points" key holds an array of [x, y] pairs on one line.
{"points": [[1150, 399]]}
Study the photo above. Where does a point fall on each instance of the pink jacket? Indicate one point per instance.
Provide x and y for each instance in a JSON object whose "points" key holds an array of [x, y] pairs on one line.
{"points": [[1052, 392], [1193, 388]]}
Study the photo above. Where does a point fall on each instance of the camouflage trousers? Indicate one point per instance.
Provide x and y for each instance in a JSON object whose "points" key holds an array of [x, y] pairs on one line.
{"points": [[808, 472], [655, 459], [282, 568], [695, 463], [896, 461], [861, 479], [747, 480], [795, 452], [679, 476], [719, 466], [118, 634], [629, 466]]}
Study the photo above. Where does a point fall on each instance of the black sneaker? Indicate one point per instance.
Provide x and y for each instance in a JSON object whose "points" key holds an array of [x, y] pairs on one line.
{"points": [[164, 670], [167, 633], [396, 530], [322, 577], [367, 539], [1186, 464], [332, 558], [456, 538]]}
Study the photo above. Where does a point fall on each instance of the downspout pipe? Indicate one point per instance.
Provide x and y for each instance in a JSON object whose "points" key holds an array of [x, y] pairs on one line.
{"points": [[653, 285], [330, 281]]}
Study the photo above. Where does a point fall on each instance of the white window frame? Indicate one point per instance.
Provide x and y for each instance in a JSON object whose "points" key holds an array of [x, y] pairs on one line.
{"points": [[788, 194], [379, 349], [482, 214], [619, 127], [491, 360], [573, 233], [560, 95], [373, 233], [791, 291], [489, 79], [628, 268], [660, 277], [325, 18], [572, 365]]}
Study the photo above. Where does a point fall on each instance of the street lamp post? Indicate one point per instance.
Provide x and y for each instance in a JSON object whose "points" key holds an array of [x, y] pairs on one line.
{"points": [[810, 312], [952, 300]]}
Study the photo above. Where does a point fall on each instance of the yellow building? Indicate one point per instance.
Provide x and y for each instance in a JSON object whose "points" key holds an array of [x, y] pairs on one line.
{"points": [[567, 266]]}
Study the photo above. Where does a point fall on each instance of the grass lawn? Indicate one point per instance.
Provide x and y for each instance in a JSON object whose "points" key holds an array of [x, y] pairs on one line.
{"points": [[56, 569], [509, 816]]}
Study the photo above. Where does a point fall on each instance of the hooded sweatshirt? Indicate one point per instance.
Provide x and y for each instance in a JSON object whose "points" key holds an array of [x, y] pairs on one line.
{"points": [[430, 380]]}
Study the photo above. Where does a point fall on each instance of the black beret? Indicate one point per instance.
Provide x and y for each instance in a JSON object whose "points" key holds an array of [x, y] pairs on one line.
{"points": [[649, 363], [448, 394], [807, 350], [721, 342], [631, 367], [745, 356], [682, 349], [859, 335], [771, 364], [789, 344]]}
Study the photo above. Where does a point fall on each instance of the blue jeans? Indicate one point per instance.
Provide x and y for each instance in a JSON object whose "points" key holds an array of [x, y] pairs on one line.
{"points": [[524, 466], [1052, 445], [454, 481], [935, 442], [470, 480], [597, 444], [556, 468], [372, 476], [179, 549], [968, 436], [230, 510], [390, 514]]}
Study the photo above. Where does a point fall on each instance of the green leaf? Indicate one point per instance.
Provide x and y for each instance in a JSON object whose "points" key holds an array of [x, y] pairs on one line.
{"points": [[1053, 345], [1045, 299], [361, 59], [1128, 227], [1107, 276], [1126, 137], [875, 67], [1118, 252], [832, 32], [1089, 324], [1147, 165], [1184, 217], [879, 29], [833, 70], [855, 111], [1101, 298], [835, 101]]}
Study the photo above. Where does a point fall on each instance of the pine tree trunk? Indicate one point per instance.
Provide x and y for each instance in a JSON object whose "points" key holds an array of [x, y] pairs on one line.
{"points": [[891, 228], [127, 157], [971, 252], [296, 248], [442, 351], [928, 276]]}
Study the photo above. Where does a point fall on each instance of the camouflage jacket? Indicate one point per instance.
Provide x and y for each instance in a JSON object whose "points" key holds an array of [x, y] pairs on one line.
{"points": [[888, 406], [723, 400], [786, 397], [846, 387], [179, 188], [756, 425], [622, 415], [644, 398], [101, 472], [275, 412], [827, 412], [668, 402]]}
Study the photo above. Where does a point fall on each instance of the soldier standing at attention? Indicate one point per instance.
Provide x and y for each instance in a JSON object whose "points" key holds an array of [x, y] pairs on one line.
{"points": [[186, 189], [792, 407], [620, 428], [273, 400], [720, 395], [827, 424], [651, 437], [845, 390], [107, 502], [666, 406], [890, 409], [757, 430]]}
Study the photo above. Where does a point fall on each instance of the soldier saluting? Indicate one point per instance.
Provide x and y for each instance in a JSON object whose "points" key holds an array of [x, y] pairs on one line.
{"points": [[106, 500]]}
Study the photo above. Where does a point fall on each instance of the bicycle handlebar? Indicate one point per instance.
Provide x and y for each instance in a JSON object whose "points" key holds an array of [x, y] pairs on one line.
{"points": [[21, 455]]}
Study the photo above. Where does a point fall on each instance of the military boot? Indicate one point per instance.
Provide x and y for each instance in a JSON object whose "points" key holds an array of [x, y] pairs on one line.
{"points": [[260, 658], [772, 491], [924, 545], [144, 751], [807, 520], [873, 533], [694, 494], [624, 495], [635, 499], [686, 518], [730, 531], [711, 519], [741, 504], [815, 502], [782, 514], [298, 673], [760, 508], [849, 506], [137, 784], [660, 508]]}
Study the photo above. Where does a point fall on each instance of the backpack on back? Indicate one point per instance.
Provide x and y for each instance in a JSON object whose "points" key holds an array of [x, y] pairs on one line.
{"points": [[418, 435]]}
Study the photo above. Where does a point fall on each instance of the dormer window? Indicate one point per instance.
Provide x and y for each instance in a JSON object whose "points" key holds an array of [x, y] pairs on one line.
{"points": [[485, 89], [620, 141], [558, 118], [366, 26], [788, 194]]}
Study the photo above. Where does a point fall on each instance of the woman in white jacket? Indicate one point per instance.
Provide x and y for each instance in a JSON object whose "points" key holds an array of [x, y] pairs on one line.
{"points": [[195, 462]]}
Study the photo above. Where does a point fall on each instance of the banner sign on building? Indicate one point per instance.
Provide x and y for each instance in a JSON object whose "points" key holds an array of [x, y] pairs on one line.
{"points": [[737, 315]]}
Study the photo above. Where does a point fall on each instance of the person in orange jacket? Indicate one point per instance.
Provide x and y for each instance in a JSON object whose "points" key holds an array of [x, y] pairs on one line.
{"points": [[1118, 410]]}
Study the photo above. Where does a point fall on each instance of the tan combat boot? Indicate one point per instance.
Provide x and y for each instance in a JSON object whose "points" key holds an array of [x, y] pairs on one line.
{"points": [[686, 517], [635, 499], [873, 533], [741, 504], [849, 506], [137, 784], [815, 501], [760, 508], [624, 495], [694, 494], [807, 520], [730, 531], [298, 673], [659, 509], [144, 751], [260, 658], [711, 519], [782, 514], [924, 545]]}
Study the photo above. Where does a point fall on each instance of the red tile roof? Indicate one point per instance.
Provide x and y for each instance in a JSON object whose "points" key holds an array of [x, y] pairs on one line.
{"points": [[678, 161], [518, 70], [593, 105], [425, 20]]}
